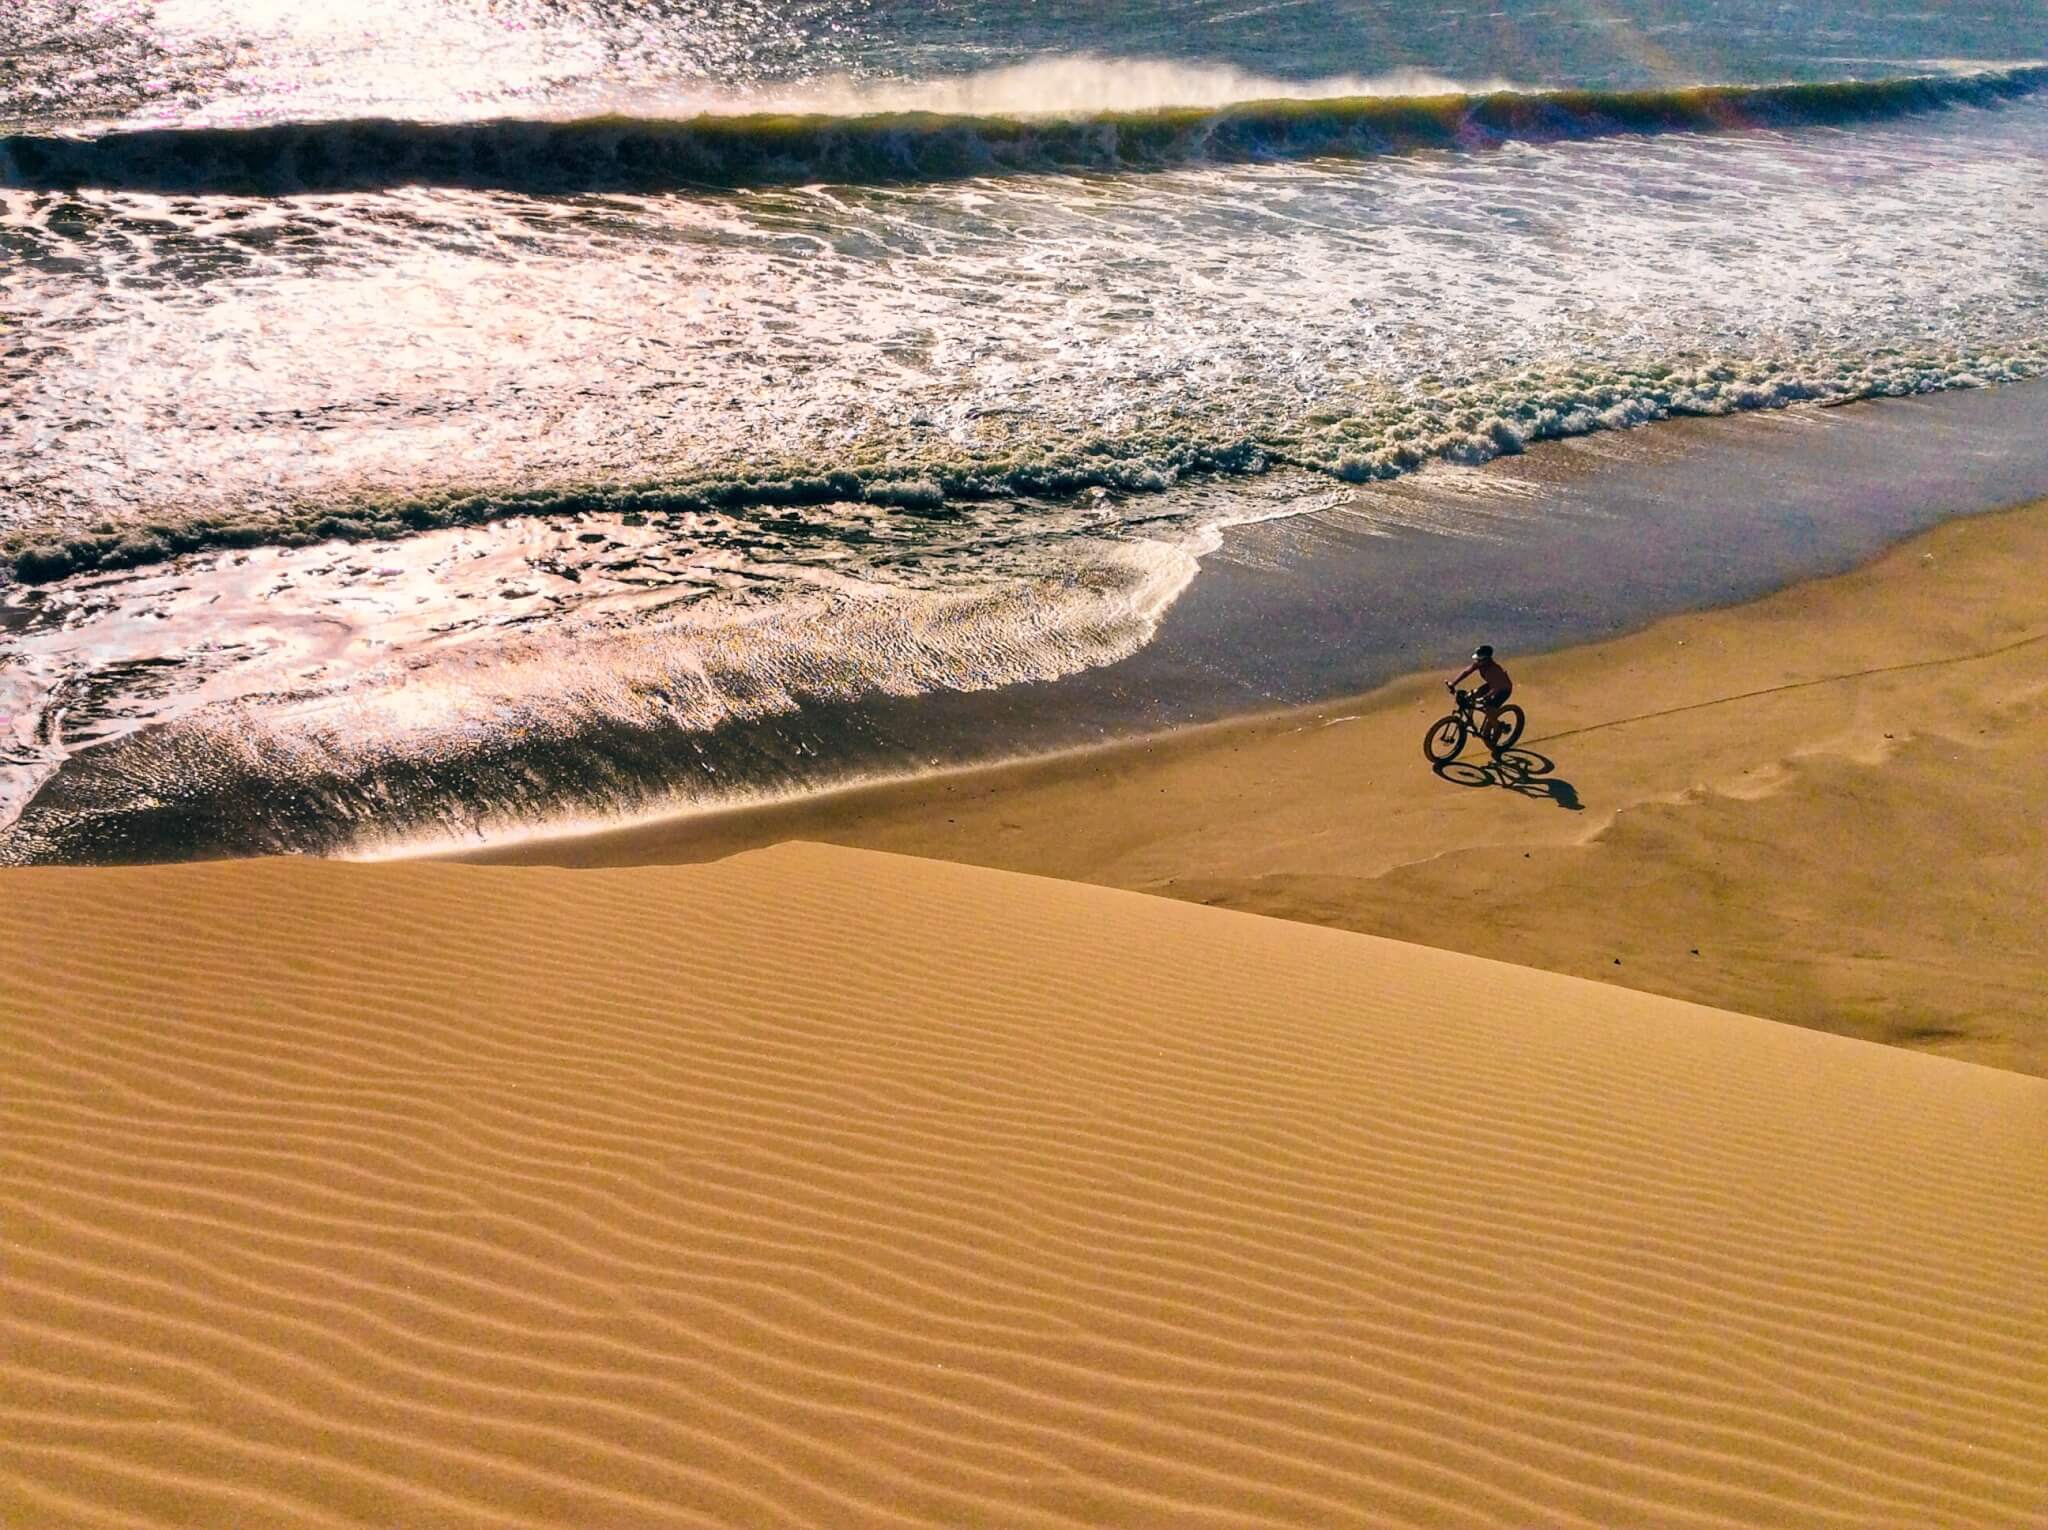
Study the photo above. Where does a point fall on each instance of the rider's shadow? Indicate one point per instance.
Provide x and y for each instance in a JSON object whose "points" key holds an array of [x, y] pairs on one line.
{"points": [[1516, 770]]}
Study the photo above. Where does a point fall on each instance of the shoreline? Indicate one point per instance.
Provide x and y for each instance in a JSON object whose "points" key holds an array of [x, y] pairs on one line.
{"points": [[1314, 594], [1591, 538], [1690, 793]]}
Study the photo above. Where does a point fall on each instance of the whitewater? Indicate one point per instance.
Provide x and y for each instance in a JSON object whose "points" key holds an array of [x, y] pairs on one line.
{"points": [[389, 389]]}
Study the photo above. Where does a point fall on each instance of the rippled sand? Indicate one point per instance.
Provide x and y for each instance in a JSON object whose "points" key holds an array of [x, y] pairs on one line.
{"points": [[837, 1188]]}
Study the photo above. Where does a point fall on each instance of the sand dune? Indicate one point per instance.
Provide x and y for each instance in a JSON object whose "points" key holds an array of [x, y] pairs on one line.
{"points": [[826, 1187]]}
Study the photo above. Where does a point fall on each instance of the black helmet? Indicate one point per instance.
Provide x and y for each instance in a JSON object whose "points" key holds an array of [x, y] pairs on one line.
{"points": [[1483, 651]]}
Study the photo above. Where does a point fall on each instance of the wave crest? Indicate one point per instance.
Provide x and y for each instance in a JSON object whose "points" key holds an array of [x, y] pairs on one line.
{"points": [[731, 152]]}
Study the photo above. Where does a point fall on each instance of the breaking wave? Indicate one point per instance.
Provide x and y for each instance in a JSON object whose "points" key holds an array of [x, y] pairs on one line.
{"points": [[1381, 434], [720, 151]]}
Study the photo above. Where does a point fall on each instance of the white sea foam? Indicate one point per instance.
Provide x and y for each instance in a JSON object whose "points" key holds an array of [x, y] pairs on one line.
{"points": [[1088, 83], [356, 666], [265, 363]]}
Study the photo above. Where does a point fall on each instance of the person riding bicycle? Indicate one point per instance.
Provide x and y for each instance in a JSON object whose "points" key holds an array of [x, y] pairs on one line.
{"points": [[1494, 689]]}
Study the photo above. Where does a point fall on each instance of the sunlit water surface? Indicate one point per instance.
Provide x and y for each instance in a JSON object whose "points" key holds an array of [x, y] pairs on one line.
{"points": [[801, 438]]}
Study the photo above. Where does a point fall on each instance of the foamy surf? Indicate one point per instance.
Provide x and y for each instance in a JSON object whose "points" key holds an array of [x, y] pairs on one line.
{"points": [[1369, 439], [544, 666]]}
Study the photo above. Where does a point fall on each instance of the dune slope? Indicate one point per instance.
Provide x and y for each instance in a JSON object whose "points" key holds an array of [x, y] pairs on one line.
{"points": [[831, 1187]]}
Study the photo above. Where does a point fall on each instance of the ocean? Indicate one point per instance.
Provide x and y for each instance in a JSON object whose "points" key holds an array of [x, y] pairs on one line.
{"points": [[429, 420]]}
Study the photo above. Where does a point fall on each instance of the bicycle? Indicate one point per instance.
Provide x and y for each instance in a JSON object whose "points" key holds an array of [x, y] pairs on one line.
{"points": [[1445, 740]]}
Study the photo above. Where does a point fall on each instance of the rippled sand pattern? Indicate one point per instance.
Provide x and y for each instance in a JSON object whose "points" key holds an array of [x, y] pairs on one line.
{"points": [[834, 1188]]}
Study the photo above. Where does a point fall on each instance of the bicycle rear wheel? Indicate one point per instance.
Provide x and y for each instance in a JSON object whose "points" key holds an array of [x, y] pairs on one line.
{"points": [[1444, 740], [1507, 729]]}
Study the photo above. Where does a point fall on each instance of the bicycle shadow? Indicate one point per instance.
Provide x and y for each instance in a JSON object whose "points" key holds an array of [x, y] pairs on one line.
{"points": [[1523, 771]]}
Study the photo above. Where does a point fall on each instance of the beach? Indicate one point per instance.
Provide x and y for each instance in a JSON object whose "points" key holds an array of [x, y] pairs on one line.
{"points": [[1818, 807], [714, 802], [828, 1183]]}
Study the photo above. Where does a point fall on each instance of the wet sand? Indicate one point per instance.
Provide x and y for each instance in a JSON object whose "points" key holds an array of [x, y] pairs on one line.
{"points": [[1821, 807]]}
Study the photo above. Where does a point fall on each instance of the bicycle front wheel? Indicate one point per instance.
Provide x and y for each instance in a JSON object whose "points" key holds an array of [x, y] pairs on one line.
{"points": [[1507, 728], [1445, 739]]}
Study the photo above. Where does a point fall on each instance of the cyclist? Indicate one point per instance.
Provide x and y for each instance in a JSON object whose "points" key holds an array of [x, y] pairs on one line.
{"points": [[1494, 689]]}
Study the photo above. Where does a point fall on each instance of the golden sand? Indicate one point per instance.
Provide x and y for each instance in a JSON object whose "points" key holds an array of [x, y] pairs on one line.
{"points": [[835, 1188]]}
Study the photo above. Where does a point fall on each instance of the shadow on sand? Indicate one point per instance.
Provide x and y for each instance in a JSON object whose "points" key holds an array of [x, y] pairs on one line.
{"points": [[1516, 770]]}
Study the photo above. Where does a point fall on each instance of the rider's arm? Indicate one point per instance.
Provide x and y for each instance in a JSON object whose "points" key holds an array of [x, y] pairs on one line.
{"points": [[1462, 674]]}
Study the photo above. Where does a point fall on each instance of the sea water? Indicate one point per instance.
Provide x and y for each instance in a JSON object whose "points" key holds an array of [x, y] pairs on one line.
{"points": [[394, 395]]}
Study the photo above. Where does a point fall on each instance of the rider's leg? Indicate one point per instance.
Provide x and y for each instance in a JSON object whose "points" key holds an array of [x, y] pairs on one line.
{"points": [[1489, 721]]}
